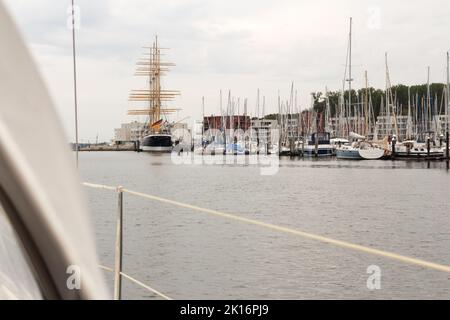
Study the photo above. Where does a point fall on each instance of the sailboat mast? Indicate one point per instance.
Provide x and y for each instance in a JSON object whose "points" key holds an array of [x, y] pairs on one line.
{"points": [[372, 120], [149, 66], [150, 86], [389, 100], [220, 102], [158, 81], [298, 116], [366, 105], [428, 100], [447, 106], [264, 107], [409, 121], [447, 98], [350, 71], [203, 115], [257, 104], [327, 111]]}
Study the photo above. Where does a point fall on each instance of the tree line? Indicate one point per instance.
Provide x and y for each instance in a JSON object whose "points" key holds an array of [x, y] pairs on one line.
{"points": [[417, 96]]}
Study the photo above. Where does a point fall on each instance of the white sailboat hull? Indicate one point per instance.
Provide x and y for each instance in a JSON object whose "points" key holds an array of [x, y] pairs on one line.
{"points": [[348, 153], [371, 154]]}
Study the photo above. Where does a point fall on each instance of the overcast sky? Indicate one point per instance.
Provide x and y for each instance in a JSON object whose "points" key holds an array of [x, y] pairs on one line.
{"points": [[229, 45]]}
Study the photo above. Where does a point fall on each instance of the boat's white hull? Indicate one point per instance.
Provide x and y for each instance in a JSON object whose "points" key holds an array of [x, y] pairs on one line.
{"points": [[371, 154], [323, 150], [285, 150], [211, 149], [417, 151], [412, 154], [348, 154]]}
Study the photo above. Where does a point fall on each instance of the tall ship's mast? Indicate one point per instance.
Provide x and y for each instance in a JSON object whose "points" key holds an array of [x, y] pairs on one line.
{"points": [[151, 67]]}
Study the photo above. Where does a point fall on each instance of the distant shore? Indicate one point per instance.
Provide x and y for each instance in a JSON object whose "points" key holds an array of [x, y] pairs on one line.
{"points": [[108, 148]]}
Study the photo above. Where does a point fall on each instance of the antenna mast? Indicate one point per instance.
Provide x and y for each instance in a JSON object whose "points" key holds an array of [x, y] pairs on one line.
{"points": [[75, 81]]}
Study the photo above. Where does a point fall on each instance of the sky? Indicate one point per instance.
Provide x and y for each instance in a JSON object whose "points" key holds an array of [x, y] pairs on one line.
{"points": [[225, 45]]}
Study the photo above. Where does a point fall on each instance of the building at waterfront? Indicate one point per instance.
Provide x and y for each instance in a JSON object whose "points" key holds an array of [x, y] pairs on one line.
{"points": [[385, 126], [292, 128], [197, 132], [442, 124], [127, 132], [349, 124], [228, 122], [264, 129]]}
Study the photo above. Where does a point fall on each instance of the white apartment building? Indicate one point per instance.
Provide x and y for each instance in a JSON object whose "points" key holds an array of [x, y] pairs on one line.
{"points": [[442, 124], [264, 129], [386, 126], [129, 132], [293, 131]]}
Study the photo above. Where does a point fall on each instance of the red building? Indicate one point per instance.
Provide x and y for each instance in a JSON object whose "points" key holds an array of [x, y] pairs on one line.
{"points": [[229, 122]]}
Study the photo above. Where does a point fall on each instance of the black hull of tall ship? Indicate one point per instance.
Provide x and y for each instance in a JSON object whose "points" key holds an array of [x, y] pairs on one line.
{"points": [[157, 143]]}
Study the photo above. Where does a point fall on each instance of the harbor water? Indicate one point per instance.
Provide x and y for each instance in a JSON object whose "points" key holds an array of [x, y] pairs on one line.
{"points": [[397, 206]]}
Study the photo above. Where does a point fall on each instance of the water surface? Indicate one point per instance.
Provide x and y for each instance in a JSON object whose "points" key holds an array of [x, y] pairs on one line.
{"points": [[397, 206]]}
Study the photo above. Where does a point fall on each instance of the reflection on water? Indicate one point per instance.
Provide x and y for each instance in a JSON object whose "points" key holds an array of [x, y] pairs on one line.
{"points": [[399, 206]]}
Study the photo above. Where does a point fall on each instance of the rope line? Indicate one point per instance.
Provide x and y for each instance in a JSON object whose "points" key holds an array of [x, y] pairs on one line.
{"points": [[141, 284], [307, 235], [98, 186], [162, 295], [106, 268]]}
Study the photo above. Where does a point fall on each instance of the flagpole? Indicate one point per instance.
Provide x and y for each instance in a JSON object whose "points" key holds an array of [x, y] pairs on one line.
{"points": [[75, 81]]}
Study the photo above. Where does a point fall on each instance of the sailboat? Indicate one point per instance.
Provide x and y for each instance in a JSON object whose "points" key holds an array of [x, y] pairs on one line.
{"points": [[413, 148], [157, 136], [360, 149], [347, 151]]}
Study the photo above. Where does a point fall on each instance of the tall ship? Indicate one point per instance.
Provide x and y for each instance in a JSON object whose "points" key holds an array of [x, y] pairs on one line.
{"points": [[156, 135]]}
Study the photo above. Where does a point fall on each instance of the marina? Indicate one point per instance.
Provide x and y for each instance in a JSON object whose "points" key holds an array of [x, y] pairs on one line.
{"points": [[357, 129], [291, 163]]}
